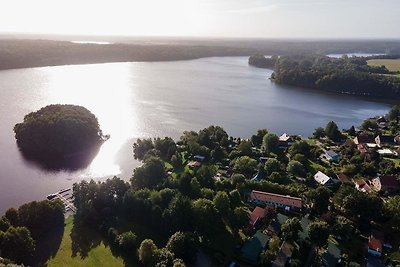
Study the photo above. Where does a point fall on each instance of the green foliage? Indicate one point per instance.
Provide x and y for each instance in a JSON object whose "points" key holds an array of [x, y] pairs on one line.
{"points": [[240, 217], [296, 168], [4, 224], [17, 244], [246, 164], [147, 252], [260, 61], [320, 198], [184, 246], [222, 203], [291, 228], [318, 232], [270, 143], [257, 139], [332, 131], [205, 217], [141, 147], [300, 147], [245, 148], [272, 165], [58, 131], [150, 174], [343, 75], [127, 242], [394, 114]]}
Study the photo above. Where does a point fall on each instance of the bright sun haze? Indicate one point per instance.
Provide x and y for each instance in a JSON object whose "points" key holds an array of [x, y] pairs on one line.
{"points": [[202, 18]]}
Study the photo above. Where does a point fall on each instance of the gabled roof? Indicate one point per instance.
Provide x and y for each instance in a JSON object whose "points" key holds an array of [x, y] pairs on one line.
{"points": [[285, 137], [331, 153], [387, 139], [363, 139], [343, 177], [322, 178], [253, 247], [388, 180], [258, 213], [374, 243], [275, 198], [363, 186]]}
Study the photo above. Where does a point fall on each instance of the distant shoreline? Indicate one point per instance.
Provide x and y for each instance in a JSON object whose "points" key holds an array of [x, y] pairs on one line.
{"points": [[30, 53]]}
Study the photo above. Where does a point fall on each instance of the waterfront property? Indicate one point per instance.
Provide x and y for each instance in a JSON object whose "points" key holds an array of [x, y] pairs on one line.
{"points": [[332, 156], [385, 140], [276, 200]]}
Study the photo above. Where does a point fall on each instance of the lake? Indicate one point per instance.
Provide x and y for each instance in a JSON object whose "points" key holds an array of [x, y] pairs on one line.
{"points": [[135, 100]]}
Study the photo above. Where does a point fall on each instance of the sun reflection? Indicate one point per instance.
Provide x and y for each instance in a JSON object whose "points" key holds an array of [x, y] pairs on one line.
{"points": [[105, 89]]}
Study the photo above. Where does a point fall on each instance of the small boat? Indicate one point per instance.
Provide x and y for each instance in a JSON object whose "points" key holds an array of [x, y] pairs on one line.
{"points": [[64, 190]]}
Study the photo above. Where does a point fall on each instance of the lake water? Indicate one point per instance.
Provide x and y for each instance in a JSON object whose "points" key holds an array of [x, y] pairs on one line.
{"points": [[133, 100]]}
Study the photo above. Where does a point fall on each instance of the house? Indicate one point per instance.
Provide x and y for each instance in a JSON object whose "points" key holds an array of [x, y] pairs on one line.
{"points": [[374, 246], [385, 183], [194, 164], [332, 156], [256, 216], [285, 140], [275, 225], [343, 178], [362, 186], [387, 152], [397, 139], [381, 121], [362, 149], [363, 139], [323, 179], [276, 200], [199, 158], [253, 247], [385, 140]]}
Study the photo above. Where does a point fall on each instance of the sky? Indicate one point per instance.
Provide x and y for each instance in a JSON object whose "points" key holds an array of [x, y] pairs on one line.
{"points": [[205, 18]]}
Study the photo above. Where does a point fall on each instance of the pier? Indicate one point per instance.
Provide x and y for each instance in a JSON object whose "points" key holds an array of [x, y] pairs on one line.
{"points": [[63, 196]]}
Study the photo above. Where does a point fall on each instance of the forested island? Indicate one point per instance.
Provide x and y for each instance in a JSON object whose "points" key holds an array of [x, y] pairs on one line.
{"points": [[346, 75], [58, 132], [209, 198]]}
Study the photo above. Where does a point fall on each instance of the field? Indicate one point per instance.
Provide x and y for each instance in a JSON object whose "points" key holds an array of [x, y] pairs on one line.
{"points": [[97, 256], [391, 64]]}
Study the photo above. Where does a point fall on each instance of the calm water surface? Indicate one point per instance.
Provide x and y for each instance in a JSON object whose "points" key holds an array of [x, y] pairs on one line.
{"points": [[133, 100]]}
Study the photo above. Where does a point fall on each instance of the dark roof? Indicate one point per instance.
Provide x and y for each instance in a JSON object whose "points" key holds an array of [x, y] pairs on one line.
{"points": [[363, 139], [374, 243], [343, 177], [389, 180], [285, 253], [253, 247], [331, 153], [387, 139]]}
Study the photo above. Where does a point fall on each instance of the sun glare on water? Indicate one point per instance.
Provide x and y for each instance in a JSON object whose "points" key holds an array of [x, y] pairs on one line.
{"points": [[104, 90]]}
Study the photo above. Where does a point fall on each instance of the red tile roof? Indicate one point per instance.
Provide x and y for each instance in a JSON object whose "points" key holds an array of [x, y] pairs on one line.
{"points": [[374, 243], [343, 177], [275, 198], [363, 186], [258, 213]]}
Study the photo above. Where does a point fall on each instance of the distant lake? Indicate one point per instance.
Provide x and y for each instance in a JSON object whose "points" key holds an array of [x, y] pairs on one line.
{"points": [[355, 55], [135, 100]]}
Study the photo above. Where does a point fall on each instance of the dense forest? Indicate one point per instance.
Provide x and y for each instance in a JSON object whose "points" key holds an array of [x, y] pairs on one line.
{"points": [[25, 53], [347, 75], [58, 131]]}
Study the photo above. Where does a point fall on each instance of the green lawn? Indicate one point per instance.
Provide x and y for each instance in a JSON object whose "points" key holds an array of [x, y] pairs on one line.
{"points": [[97, 256]]}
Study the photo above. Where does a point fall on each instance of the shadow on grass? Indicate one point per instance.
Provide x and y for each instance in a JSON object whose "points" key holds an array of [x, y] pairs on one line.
{"points": [[47, 246], [83, 239]]}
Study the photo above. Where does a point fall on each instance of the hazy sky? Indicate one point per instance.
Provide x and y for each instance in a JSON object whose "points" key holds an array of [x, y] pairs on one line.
{"points": [[222, 18]]}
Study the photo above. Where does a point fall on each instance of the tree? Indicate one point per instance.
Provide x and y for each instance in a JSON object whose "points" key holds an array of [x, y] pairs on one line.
{"points": [[318, 232], [332, 131], [141, 147], [296, 168], [257, 139], [246, 164], [4, 224], [394, 114], [150, 174], [176, 161], [320, 198], [369, 125], [127, 242], [272, 165], [195, 188], [245, 148], [183, 245], [240, 217], [206, 217], [222, 203], [290, 228], [300, 147], [179, 263], [17, 244], [164, 258], [12, 216], [352, 131], [270, 143], [235, 198], [147, 252], [319, 133]]}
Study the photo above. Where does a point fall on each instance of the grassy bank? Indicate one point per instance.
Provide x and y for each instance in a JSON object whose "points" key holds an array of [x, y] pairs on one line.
{"points": [[390, 64], [97, 256]]}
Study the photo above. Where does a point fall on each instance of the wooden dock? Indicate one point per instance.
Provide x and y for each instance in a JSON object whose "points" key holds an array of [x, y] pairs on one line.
{"points": [[67, 201]]}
